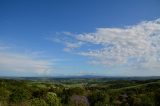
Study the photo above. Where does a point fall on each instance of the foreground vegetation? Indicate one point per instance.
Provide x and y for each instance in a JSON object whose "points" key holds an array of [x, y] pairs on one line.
{"points": [[79, 92]]}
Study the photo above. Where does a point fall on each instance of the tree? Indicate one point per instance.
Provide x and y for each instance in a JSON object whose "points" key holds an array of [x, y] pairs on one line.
{"points": [[77, 100], [76, 91], [39, 93], [137, 101], [38, 102], [52, 99], [20, 95], [147, 100], [157, 97], [98, 98], [4, 94]]}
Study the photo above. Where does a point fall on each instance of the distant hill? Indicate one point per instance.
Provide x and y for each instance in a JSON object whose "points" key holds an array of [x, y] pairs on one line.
{"points": [[84, 77]]}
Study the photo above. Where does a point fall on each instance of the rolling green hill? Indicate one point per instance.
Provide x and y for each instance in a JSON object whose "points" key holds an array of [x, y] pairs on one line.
{"points": [[80, 92]]}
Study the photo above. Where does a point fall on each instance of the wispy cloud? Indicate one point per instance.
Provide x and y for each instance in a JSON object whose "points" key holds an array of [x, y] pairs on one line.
{"points": [[70, 46], [68, 40], [137, 44], [20, 62]]}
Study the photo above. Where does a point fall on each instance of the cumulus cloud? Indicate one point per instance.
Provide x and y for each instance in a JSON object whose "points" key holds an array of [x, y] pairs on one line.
{"points": [[136, 44], [18, 62]]}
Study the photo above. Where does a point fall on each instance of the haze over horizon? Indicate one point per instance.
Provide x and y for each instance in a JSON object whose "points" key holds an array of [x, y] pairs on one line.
{"points": [[79, 37]]}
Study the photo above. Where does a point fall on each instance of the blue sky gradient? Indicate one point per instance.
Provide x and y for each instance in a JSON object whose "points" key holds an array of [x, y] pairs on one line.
{"points": [[62, 37]]}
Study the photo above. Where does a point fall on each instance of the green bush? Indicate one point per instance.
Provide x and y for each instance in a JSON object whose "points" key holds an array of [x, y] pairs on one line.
{"points": [[38, 102]]}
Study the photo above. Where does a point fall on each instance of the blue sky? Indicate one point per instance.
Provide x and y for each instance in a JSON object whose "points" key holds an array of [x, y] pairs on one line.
{"points": [[79, 37]]}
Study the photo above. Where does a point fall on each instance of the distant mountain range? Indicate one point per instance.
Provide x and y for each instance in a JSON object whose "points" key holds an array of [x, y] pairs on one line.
{"points": [[82, 77]]}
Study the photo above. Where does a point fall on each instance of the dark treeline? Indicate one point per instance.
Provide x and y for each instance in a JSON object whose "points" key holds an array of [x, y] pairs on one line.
{"points": [[80, 92]]}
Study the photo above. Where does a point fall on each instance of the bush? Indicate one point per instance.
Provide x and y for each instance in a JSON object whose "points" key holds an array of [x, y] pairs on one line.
{"points": [[38, 102]]}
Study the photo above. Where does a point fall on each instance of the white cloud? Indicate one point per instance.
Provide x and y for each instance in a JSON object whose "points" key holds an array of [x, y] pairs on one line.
{"points": [[68, 40], [18, 62], [70, 46], [140, 43]]}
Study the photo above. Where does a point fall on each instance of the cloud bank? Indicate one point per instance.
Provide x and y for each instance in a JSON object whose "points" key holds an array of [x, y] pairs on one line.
{"points": [[132, 45]]}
